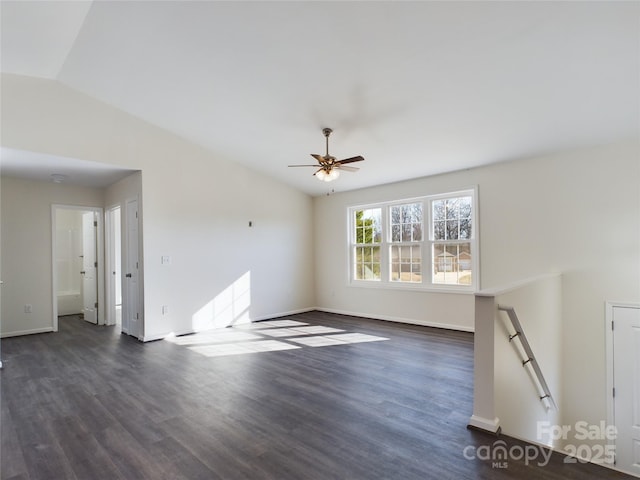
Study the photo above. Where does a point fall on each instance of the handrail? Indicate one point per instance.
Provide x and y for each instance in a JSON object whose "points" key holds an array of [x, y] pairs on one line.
{"points": [[531, 358]]}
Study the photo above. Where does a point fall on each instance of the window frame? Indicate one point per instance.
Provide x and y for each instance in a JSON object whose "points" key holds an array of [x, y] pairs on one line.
{"points": [[402, 242], [426, 245], [358, 245]]}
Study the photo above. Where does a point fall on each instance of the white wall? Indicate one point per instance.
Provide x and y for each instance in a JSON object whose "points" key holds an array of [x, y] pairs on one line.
{"points": [[538, 306], [576, 212], [201, 221], [118, 194], [333, 292], [196, 205], [26, 249]]}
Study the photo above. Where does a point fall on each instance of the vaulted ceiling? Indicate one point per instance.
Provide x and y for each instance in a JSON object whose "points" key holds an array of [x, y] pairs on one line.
{"points": [[417, 88]]}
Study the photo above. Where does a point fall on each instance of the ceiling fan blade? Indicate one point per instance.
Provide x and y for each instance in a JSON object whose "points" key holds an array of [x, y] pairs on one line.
{"points": [[351, 160], [319, 158], [346, 169], [303, 165]]}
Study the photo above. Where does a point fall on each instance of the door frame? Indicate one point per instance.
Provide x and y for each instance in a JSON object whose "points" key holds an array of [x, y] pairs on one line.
{"points": [[110, 259], [610, 380], [99, 254]]}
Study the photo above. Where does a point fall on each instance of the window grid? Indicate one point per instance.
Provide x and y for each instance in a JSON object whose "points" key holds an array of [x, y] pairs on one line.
{"points": [[366, 250], [389, 247], [405, 256], [406, 263], [451, 250]]}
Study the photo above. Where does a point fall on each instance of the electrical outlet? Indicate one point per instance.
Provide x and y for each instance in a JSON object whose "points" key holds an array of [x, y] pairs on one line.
{"points": [[165, 309], [165, 260], [28, 308]]}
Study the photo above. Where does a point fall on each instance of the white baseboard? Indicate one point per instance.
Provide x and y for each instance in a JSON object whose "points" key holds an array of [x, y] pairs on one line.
{"points": [[26, 332], [387, 318], [283, 314], [160, 336], [485, 424], [409, 321], [559, 450]]}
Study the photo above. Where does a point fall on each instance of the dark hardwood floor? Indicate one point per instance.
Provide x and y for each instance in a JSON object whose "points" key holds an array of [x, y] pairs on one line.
{"points": [[89, 403]]}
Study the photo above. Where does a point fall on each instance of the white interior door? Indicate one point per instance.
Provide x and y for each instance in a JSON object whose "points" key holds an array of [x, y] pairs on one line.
{"points": [[131, 318], [89, 267], [626, 375]]}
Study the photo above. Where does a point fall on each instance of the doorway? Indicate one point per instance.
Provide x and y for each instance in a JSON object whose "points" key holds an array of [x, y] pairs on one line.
{"points": [[113, 260], [623, 384], [77, 250]]}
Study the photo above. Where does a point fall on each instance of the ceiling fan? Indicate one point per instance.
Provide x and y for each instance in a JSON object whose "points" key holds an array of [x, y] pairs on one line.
{"points": [[329, 166]]}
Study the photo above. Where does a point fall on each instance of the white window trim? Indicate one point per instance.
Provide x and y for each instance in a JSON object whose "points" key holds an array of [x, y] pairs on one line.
{"points": [[426, 243]]}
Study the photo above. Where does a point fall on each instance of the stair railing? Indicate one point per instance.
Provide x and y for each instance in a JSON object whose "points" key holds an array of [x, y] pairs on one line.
{"points": [[530, 358]]}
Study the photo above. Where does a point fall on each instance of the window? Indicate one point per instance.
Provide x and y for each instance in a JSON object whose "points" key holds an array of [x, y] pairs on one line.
{"points": [[451, 240], [368, 236], [406, 243], [428, 242]]}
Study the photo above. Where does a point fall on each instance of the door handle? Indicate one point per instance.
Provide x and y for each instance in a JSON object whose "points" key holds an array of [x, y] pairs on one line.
{"points": [[82, 272], [128, 275]]}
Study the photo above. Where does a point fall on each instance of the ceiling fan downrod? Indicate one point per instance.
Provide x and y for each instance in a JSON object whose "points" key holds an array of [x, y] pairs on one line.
{"points": [[327, 132]]}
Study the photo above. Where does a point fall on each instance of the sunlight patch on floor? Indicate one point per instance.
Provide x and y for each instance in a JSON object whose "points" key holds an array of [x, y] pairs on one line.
{"points": [[213, 336], [259, 337], [271, 324], [281, 332], [317, 341], [315, 329], [321, 341], [242, 348]]}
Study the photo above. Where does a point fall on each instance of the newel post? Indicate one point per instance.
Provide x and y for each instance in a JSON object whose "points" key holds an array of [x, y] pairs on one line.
{"points": [[484, 416]]}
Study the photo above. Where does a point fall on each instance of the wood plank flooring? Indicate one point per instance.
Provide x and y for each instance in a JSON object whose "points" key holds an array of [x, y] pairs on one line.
{"points": [[88, 403]]}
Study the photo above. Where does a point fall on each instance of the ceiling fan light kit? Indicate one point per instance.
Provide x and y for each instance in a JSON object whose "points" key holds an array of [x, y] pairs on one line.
{"points": [[324, 176], [330, 167]]}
